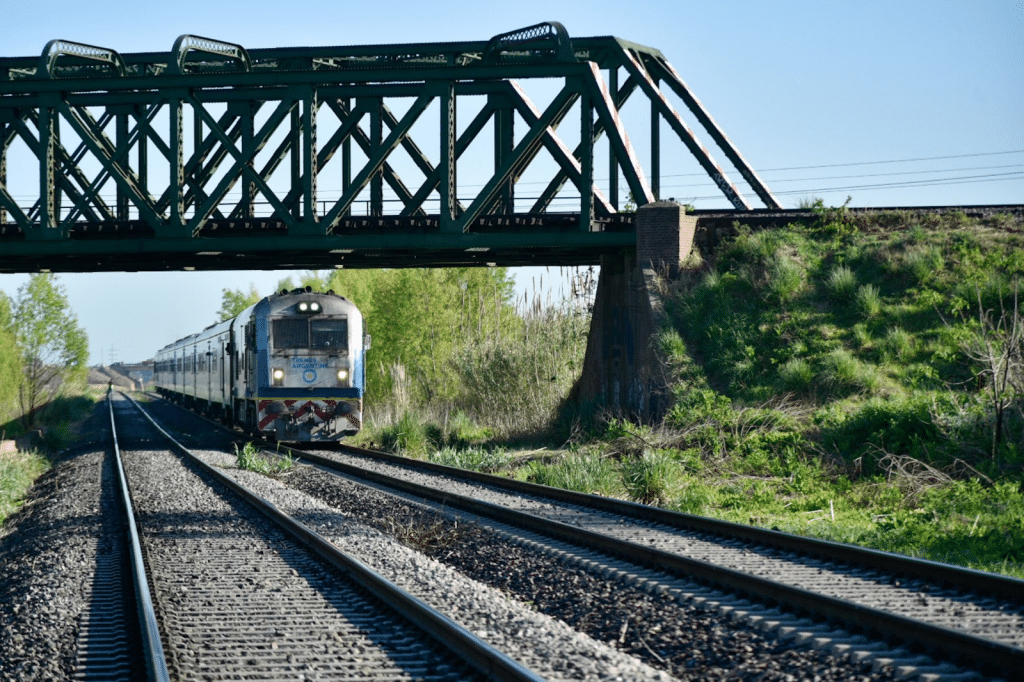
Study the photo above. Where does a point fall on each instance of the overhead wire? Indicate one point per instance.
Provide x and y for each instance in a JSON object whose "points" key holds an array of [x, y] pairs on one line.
{"points": [[928, 182]]}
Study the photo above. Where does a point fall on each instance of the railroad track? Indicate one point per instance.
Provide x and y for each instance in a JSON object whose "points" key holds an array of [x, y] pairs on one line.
{"points": [[744, 589], [118, 636], [239, 595], [853, 596]]}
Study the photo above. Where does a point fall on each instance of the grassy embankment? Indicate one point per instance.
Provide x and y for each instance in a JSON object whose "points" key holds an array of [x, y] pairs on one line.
{"points": [[856, 379], [19, 469]]}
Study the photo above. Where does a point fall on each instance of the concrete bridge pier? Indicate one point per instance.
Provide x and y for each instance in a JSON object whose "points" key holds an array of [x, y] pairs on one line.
{"points": [[622, 373]]}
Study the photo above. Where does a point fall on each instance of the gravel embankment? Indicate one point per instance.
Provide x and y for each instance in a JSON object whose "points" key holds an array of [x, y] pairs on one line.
{"points": [[691, 642], [921, 599], [47, 557]]}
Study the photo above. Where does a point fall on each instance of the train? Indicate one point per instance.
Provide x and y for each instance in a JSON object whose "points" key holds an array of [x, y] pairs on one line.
{"points": [[289, 368]]}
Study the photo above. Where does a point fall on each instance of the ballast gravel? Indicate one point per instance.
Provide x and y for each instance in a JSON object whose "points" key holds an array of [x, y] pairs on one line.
{"points": [[686, 640], [48, 554], [547, 646]]}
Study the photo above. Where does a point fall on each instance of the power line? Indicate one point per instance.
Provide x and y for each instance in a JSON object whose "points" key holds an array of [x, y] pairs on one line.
{"points": [[867, 175], [866, 163], [935, 182], [918, 183], [923, 158]]}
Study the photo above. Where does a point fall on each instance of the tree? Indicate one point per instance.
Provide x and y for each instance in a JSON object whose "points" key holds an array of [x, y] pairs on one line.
{"points": [[234, 301], [54, 348], [10, 362], [420, 316], [998, 349]]}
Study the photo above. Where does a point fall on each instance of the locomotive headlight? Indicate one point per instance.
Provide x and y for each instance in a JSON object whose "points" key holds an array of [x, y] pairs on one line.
{"points": [[342, 375], [314, 307], [303, 307], [278, 375]]}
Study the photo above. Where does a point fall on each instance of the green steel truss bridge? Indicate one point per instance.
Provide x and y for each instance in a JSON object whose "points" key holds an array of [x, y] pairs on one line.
{"points": [[212, 156]]}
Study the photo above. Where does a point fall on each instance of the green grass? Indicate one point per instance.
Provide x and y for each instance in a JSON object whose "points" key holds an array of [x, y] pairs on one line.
{"points": [[18, 471], [583, 472]]}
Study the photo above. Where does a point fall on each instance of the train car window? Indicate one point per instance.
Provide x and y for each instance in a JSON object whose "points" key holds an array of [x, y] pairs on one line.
{"points": [[290, 332], [325, 333]]}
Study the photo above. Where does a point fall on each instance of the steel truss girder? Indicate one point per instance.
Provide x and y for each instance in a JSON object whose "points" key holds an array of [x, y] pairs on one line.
{"points": [[268, 145]]}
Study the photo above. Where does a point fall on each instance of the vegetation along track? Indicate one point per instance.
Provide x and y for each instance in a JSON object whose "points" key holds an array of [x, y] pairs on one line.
{"points": [[238, 596], [963, 615]]}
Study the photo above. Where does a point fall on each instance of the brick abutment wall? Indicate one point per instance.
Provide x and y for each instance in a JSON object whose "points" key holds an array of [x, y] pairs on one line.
{"points": [[622, 373]]}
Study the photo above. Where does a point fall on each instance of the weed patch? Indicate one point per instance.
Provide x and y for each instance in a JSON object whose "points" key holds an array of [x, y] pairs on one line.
{"points": [[250, 458], [425, 535]]}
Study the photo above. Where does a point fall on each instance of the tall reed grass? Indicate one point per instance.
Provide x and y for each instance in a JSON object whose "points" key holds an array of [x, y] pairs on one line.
{"points": [[510, 373]]}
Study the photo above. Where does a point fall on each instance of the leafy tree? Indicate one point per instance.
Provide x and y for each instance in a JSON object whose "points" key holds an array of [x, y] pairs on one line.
{"points": [[10, 361], [54, 348], [285, 283], [234, 301], [420, 316]]}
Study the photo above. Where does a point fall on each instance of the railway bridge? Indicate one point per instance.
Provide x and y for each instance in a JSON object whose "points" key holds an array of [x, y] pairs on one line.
{"points": [[212, 156]]}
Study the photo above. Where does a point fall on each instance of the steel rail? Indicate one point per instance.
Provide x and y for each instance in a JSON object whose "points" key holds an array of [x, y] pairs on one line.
{"points": [[944, 642], [978, 581], [152, 647], [477, 653]]}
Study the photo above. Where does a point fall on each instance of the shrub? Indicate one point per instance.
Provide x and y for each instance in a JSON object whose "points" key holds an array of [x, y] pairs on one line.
{"points": [[898, 345], [514, 382], [842, 374], [796, 374], [407, 436], [922, 263], [647, 478], [250, 458], [473, 458], [862, 335], [841, 284], [901, 426], [994, 288], [868, 300], [785, 277]]}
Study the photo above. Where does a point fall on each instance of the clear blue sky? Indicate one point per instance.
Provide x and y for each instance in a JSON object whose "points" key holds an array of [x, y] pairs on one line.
{"points": [[816, 95]]}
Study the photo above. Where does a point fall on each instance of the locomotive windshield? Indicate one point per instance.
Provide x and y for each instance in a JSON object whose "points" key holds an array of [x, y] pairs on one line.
{"points": [[325, 333], [291, 332], [305, 332]]}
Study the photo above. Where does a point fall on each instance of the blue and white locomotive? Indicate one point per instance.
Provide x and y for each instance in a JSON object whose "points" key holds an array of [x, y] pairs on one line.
{"points": [[290, 368]]}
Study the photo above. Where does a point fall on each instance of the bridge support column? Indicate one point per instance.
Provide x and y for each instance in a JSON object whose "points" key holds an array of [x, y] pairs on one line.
{"points": [[622, 373]]}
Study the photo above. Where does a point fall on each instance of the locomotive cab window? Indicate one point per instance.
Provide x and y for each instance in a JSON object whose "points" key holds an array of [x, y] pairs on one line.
{"points": [[327, 333], [302, 332], [290, 332]]}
